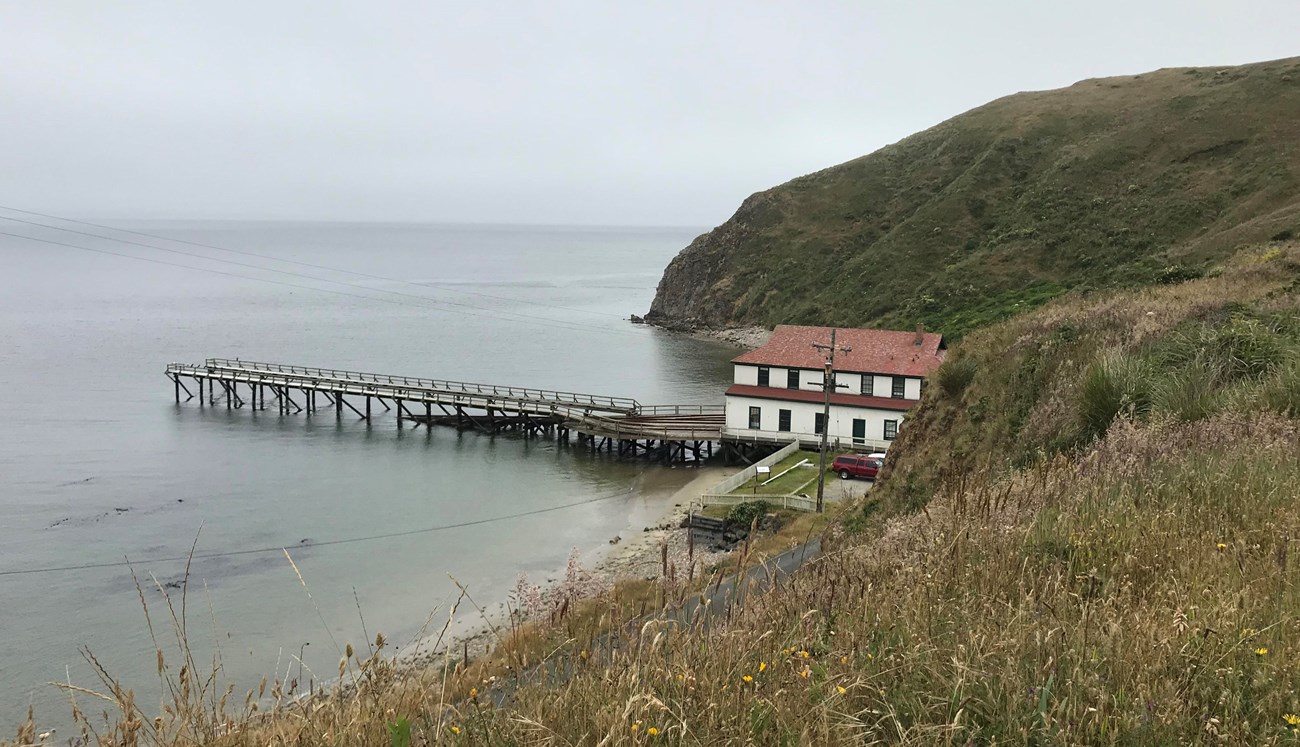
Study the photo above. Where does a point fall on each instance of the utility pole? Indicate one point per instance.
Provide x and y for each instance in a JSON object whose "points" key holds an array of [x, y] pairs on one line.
{"points": [[828, 386]]}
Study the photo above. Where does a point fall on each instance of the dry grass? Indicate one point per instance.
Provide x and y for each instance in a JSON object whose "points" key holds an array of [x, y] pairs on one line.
{"points": [[1137, 586]]}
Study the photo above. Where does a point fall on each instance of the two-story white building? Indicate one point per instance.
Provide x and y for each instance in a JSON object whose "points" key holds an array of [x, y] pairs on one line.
{"points": [[777, 392]]}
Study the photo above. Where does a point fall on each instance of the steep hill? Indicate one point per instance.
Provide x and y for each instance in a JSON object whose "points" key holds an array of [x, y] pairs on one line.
{"points": [[1105, 183]]}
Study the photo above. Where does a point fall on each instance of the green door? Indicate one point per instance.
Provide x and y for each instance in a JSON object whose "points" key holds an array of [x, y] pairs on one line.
{"points": [[859, 431]]}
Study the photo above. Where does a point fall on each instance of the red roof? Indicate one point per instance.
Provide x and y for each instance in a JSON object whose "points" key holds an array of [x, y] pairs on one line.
{"points": [[879, 351], [803, 395]]}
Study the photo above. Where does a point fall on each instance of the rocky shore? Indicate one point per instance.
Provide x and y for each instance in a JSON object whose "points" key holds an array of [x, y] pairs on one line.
{"points": [[636, 553]]}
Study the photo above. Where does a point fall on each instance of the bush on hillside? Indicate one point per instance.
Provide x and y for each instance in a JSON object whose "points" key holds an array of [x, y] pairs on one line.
{"points": [[955, 375], [1190, 394], [743, 514], [1242, 347], [1113, 385], [1281, 392]]}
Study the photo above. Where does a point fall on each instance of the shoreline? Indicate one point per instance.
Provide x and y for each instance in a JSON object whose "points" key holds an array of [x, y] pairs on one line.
{"points": [[741, 337], [634, 553]]}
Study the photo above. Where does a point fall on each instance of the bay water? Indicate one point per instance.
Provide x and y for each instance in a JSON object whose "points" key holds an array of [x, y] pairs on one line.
{"points": [[98, 465]]}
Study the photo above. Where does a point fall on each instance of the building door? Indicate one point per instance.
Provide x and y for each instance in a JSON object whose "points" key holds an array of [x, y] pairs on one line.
{"points": [[755, 417], [783, 420], [859, 431]]}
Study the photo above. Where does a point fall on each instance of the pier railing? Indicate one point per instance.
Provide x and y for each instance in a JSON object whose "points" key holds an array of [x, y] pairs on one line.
{"points": [[682, 410], [576, 399]]}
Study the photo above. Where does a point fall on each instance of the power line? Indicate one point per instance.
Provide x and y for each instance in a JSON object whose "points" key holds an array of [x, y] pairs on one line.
{"points": [[327, 543], [268, 257], [513, 316], [576, 326]]}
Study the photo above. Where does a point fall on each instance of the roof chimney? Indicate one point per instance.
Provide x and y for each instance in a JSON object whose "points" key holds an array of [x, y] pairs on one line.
{"points": [[920, 335]]}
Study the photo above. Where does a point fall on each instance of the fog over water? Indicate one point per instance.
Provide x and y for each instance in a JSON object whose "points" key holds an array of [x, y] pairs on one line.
{"points": [[98, 462]]}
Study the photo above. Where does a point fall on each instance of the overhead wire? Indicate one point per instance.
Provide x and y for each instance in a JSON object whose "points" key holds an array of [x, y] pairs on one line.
{"points": [[300, 263], [425, 301], [512, 315], [326, 543]]}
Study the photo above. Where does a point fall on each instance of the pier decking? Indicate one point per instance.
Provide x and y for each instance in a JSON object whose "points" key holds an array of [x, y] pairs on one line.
{"points": [[600, 423]]}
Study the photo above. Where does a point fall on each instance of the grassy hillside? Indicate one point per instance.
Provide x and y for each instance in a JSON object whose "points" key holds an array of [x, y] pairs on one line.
{"points": [[1085, 536], [1107, 183]]}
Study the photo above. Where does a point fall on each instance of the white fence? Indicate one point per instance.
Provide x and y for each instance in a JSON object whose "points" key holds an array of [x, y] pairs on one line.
{"points": [[796, 502], [745, 475]]}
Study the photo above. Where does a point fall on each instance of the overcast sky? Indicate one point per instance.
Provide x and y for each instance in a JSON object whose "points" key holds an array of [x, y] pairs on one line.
{"points": [[604, 112]]}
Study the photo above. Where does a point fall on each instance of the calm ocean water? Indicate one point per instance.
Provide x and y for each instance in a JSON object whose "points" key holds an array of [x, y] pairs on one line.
{"points": [[98, 464]]}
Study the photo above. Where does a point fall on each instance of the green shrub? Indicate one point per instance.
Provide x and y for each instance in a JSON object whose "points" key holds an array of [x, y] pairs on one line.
{"points": [[1242, 347], [1177, 274], [955, 375], [1281, 392], [743, 514], [1191, 393], [1114, 384]]}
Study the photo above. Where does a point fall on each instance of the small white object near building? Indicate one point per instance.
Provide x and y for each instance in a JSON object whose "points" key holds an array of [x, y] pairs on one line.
{"points": [[777, 394]]}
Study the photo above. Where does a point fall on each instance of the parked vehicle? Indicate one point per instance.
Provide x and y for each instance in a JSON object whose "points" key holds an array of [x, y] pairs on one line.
{"points": [[852, 465]]}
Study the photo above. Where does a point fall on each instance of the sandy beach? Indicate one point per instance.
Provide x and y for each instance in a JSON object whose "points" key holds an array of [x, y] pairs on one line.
{"points": [[654, 517]]}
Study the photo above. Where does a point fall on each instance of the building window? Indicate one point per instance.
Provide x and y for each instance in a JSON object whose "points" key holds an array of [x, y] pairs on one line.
{"points": [[755, 417], [764, 375], [891, 430], [900, 387], [819, 423], [792, 379], [867, 381], [783, 420]]}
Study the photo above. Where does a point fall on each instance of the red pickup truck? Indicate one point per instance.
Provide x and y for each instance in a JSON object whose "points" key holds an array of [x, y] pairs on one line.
{"points": [[851, 465]]}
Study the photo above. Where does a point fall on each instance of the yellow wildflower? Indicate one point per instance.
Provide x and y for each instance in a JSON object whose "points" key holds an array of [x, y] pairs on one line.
{"points": [[1221, 546], [1261, 652], [636, 725], [473, 693], [762, 665], [454, 729], [1291, 719], [652, 731], [844, 660], [803, 673], [804, 654], [583, 653], [841, 689], [747, 678], [1248, 632]]}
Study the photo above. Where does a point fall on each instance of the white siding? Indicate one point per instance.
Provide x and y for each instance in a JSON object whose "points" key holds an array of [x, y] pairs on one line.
{"points": [[803, 418], [883, 386], [912, 390], [809, 379], [746, 374]]}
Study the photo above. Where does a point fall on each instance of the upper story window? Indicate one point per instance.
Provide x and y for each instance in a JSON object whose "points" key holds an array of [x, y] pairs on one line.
{"points": [[867, 381], [764, 376], [792, 379], [900, 387]]}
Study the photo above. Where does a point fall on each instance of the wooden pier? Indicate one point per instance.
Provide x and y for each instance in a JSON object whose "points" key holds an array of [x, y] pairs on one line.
{"points": [[612, 425]]}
